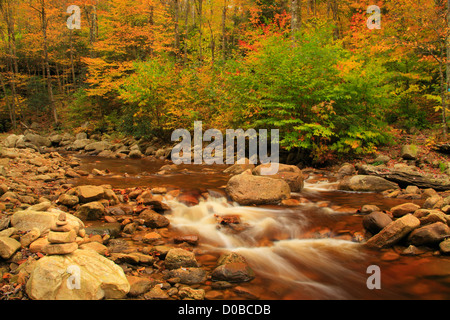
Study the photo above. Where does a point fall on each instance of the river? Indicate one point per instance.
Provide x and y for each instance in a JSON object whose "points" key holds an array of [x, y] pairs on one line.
{"points": [[311, 251]]}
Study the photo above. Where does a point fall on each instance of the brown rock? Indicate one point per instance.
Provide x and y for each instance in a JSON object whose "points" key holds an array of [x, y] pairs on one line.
{"points": [[394, 232], [430, 234], [405, 208]]}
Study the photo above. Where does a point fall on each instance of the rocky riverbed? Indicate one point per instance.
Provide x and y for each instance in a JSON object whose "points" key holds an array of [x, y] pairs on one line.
{"points": [[127, 233]]}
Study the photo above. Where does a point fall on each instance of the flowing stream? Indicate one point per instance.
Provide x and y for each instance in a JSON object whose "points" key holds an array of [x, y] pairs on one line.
{"points": [[311, 251]]}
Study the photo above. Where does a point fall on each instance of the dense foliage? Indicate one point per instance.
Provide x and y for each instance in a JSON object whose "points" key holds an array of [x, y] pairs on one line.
{"points": [[146, 67]]}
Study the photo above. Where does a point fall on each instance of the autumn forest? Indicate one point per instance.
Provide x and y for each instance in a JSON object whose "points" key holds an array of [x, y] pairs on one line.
{"points": [[314, 69]]}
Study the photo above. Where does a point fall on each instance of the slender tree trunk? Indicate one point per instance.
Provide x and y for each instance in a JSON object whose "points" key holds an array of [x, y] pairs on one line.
{"points": [[444, 100], [71, 57], [8, 103], [5, 7], [46, 61], [224, 36], [186, 24], [296, 18], [447, 87], [176, 4], [200, 30]]}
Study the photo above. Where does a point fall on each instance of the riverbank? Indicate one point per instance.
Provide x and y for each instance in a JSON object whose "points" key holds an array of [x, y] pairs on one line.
{"points": [[161, 234]]}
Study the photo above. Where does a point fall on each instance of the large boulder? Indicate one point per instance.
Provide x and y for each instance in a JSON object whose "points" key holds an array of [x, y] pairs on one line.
{"points": [[37, 140], [79, 144], [375, 221], [55, 278], [11, 140], [43, 220], [289, 173], [430, 234], [409, 152], [248, 189], [408, 175], [365, 183], [97, 146], [394, 232]]}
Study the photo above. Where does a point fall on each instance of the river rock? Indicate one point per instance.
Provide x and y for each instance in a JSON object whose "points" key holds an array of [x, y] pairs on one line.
{"points": [[430, 234], [375, 221], [91, 211], [37, 140], [99, 278], [97, 147], [444, 246], [409, 152], [30, 237], [156, 293], [433, 202], [10, 141], [89, 193], [153, 219], [139, 285], [233, 272], [248, 189], [60, 248], [28, 219], [345, 170], [177, 258], [189, 275], [365, 183], [79, 144], [8, 246], [191, 294], [404, 208], [368, 208], [289, 173], [408, 175], [68, 200], [394, 232], [135, 154], [96, 246], [238, 168], [433, 216]]}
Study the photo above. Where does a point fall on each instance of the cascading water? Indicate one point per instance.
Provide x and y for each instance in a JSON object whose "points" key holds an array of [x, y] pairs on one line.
{"points": [[271, 242]]}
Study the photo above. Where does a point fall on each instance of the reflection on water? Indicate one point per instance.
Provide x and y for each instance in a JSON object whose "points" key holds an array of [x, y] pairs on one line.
{"points": [[304, 252]]}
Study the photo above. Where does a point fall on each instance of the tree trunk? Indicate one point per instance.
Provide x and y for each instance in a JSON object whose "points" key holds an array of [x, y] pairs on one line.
{"points": [[224, 36], [72, 67], [296, 18], [444, 99], [177, 32], [46, 61], [186, 24], [447, 88], [200, 30]]}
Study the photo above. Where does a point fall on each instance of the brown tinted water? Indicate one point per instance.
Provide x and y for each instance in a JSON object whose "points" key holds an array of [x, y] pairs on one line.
{"points": [[305, 252]]}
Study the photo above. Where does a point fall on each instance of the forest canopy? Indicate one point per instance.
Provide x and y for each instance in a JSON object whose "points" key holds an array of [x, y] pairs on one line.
{"points": [[311, 68]]}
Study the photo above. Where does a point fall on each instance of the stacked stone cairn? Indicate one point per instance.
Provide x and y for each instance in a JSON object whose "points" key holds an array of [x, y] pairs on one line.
{"points": [[62, 237]]}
